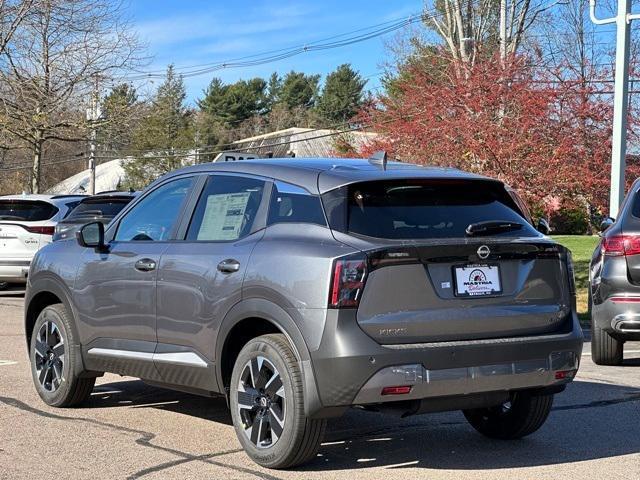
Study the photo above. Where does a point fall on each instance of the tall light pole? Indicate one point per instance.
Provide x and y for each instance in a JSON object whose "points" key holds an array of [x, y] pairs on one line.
{"points": [[620, 98]]}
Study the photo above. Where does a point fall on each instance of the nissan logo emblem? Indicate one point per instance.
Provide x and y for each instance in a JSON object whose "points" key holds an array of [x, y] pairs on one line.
{"points": [[483, 252]]}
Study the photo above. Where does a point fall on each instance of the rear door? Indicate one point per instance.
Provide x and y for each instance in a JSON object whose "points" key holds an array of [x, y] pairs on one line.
{"points": [[432, 277], [200, 276]]}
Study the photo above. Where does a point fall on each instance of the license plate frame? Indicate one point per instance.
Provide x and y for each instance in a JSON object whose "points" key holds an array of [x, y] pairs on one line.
{"points": [[488, 284]]}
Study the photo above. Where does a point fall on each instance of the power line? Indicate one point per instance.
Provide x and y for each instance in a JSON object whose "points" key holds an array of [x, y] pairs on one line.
{"points": [[276, 55]]}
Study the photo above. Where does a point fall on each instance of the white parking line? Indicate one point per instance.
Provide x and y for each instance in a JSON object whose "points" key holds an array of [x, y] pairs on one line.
{"points": [[6, 362]]}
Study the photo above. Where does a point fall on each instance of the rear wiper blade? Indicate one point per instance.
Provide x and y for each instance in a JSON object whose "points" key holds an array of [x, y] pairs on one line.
{"points": [[492, 226], [10, 217]]}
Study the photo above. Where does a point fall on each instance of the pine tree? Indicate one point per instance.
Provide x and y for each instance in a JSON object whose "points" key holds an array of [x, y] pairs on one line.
{"points": [[231, 104], [342, 95], [120, 113], [164, 136], [299, 90]]}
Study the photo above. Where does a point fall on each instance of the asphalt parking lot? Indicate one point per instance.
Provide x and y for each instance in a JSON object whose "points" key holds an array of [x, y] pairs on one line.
{"points": [[132, 430]]}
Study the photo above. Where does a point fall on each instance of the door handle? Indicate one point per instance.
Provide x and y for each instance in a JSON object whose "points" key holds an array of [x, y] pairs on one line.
{"points": [[229, 265], [145, 265]]}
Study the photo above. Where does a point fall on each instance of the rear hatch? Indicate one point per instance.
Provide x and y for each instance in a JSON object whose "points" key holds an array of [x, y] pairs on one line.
{"points": [[24, 226], [450, 260]]}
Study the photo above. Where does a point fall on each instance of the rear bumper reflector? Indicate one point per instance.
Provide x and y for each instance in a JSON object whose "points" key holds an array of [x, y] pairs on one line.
{"points": [[403, 390]]}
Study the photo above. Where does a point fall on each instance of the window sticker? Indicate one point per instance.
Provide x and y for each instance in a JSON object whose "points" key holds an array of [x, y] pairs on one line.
{"points": [[223, 216]]}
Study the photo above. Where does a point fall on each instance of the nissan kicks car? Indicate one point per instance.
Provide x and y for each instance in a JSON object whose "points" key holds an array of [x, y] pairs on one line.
{"points": [[27, 223], [298, 288], [614, 276]]}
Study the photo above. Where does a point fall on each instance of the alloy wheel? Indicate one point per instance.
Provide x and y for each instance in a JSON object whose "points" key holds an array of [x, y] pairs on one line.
{"points": [[261, 402], [49, 356]]}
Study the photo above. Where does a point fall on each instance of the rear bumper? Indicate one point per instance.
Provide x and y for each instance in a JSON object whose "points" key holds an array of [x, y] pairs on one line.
{"points": [[14, 270], [619, 318], [351, 369]]}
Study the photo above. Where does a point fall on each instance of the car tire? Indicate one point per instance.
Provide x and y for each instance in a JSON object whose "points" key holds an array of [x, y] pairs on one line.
{"points": [[605, 350], [54, 366], [522, 416], [266, 380]]}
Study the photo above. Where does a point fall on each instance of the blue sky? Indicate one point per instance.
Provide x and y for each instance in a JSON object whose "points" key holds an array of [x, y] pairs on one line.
{"points": [[193, 32]]}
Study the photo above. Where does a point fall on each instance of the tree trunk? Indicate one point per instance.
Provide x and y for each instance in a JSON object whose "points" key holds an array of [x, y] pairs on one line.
{"points": [[35, 169]]}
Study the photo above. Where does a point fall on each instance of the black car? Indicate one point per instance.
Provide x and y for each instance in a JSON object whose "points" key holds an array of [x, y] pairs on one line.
{"points": [[96, 208]]}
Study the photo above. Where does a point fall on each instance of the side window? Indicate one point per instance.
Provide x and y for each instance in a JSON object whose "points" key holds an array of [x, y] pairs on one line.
{"points": [[226, 209], [155, 215], [292, 204]]}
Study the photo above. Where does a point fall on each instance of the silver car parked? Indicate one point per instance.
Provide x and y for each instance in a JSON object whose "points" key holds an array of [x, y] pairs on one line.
{"points": [[299, 288]]}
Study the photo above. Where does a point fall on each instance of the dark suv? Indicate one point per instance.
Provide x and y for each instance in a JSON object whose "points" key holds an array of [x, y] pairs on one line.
{"points": [[298, 288], [614, 276], [101, 207]]}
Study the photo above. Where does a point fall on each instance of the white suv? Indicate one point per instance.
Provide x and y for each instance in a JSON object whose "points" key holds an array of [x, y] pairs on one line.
{"points": [[27, 223]]}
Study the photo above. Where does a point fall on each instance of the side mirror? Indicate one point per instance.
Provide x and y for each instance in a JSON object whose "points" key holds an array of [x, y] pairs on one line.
{"points": [[606, 223], [91, 235], [543, 226]]}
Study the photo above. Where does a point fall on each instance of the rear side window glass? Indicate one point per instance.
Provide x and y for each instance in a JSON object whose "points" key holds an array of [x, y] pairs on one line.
{"points": [[226, 209], [99, 207], [421, 208], [292, 204], [26, 210]]}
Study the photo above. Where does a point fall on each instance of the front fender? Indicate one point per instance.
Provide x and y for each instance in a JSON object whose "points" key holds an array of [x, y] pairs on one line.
{"points": [[40, 291]]}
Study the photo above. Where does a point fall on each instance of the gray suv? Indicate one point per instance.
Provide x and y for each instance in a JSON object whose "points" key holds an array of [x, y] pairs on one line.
{"points": [[298, 288], [614, 276]]}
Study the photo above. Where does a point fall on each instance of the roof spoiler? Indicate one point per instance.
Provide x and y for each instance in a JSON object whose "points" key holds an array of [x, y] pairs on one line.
{"points": [[379, 159]]}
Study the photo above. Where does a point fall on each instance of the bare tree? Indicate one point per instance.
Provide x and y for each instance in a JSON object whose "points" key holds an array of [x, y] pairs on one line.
{"points": [[50, 67], [12, 14], [470, 27]]}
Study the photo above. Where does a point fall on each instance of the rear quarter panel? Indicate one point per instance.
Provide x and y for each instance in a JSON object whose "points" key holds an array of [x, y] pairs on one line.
{"points": [[291, 267]]}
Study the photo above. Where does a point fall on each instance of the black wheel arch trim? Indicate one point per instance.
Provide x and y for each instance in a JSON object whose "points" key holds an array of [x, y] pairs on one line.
{"points": [[49, 283], [283, 321]]}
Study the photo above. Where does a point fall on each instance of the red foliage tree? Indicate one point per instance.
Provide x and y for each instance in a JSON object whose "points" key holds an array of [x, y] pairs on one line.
{"points": [[550, 140]]}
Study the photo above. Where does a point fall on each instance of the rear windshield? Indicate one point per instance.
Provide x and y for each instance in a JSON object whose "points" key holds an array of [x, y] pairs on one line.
{"points": [[99, 207], [26, 210], [421, 209]]}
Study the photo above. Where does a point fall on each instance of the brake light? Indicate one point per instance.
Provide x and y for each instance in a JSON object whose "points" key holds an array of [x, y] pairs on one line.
{"points": [[347, 281], [39, 230], [621, 245]]}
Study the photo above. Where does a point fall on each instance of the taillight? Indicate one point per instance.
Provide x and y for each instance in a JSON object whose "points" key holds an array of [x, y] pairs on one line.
{"points": [[621, 245], [347, 281], [571, 272], [40, 230]]}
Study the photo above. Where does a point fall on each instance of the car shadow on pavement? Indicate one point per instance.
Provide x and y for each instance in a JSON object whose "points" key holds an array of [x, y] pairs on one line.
{"points": [[137, 394], [582, 426]]}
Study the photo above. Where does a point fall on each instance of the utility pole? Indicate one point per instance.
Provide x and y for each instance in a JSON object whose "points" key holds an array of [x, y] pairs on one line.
{"points": [[93, 115], [620, 98]]}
